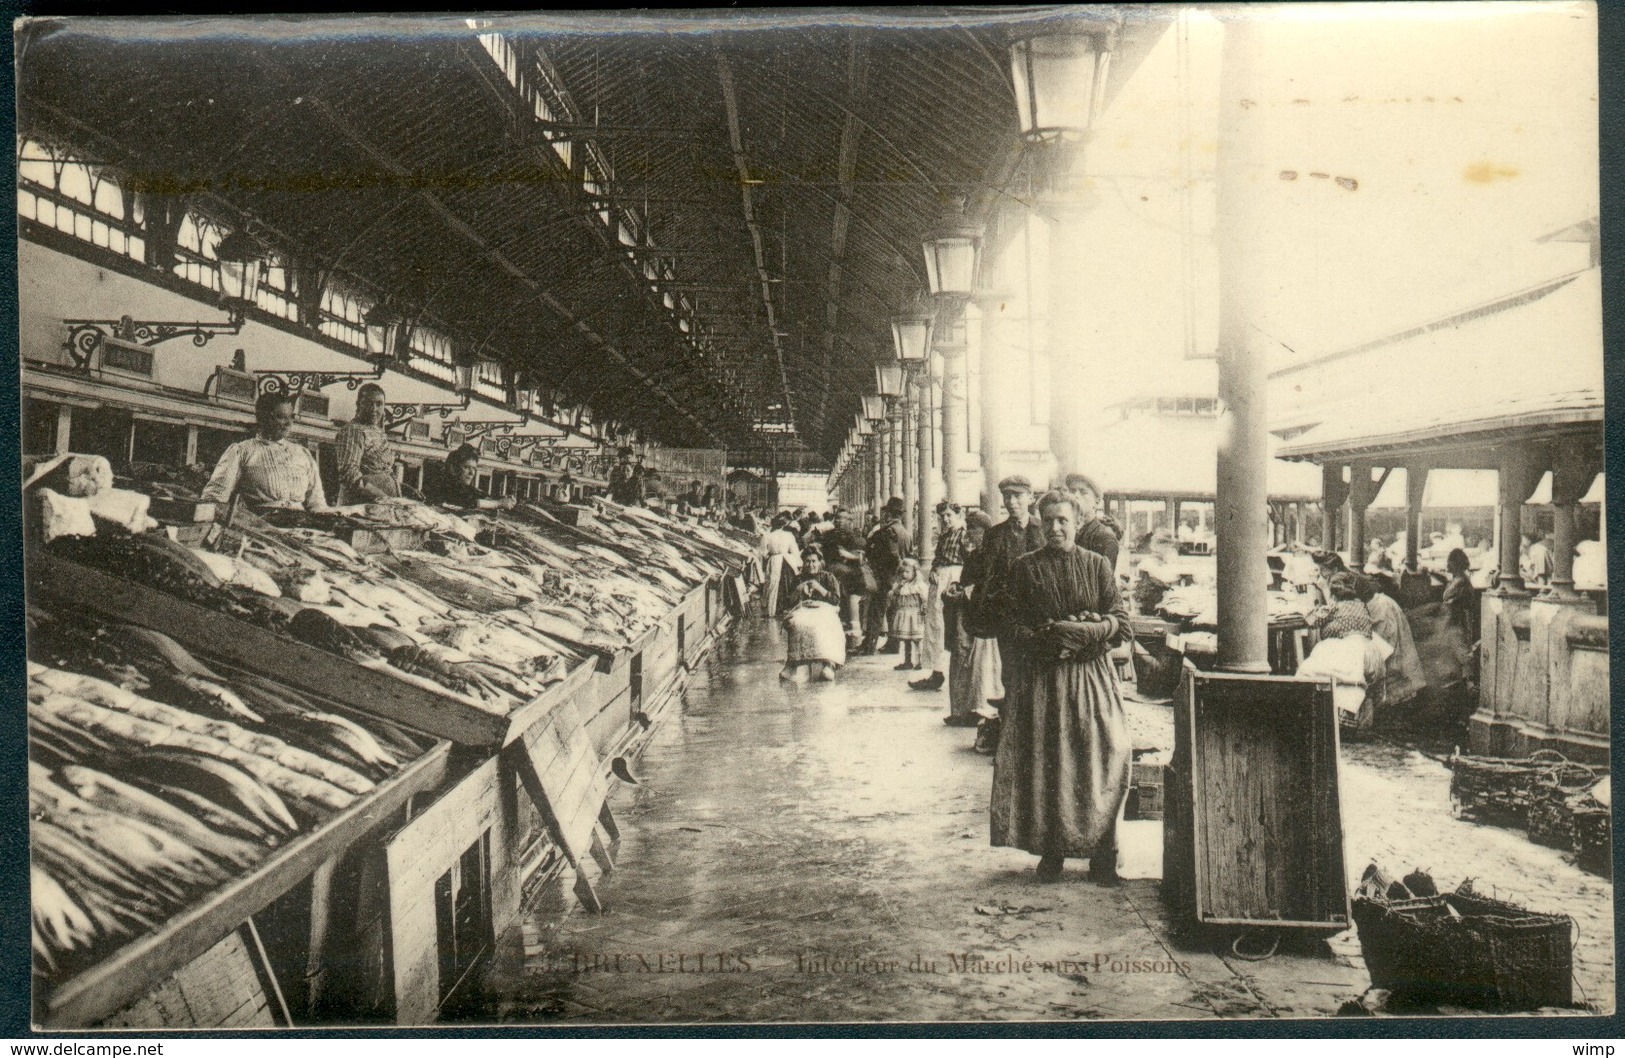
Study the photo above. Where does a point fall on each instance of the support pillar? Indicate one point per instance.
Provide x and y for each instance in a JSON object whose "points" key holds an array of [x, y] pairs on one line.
{"points": [[994, 402], [894, 424], [874, 462], [1066, 208], [1517, 476], [925, 499], [908, 460], [1416, 483], [1334, 492], [1572, 472], [955, 444], [1243, 493], [1362, 491]]}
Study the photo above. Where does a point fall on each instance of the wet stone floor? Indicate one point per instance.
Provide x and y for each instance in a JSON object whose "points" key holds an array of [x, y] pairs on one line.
{"points": [[818, 853]]}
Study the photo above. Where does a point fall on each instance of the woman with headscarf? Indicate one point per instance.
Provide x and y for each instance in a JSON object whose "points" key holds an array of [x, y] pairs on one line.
{"points": [[813, 622], [1062, 769]]}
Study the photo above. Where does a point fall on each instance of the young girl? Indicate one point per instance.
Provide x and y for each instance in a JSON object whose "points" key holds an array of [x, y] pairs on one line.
{"points": [[908, 611], [813, 622]]}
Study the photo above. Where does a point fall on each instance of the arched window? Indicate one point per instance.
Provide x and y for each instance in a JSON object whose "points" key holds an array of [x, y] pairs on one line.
{"points": [[195, 242], [62, 191], [343, 315]]}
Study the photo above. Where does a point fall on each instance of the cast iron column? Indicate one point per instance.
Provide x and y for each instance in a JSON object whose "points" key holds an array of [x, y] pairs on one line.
{"points": [[1517, 478], [924, 498], [954, 441], [995, 405], [1243, 494], [1416, 483]]}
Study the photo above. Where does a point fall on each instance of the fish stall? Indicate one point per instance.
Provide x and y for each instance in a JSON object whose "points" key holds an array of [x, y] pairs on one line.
{"points": [[235, 719]]}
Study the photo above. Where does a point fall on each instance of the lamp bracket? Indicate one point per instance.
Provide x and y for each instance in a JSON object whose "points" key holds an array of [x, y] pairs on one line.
{"points": [[397, 414], [475, 429], [513, 443], [85, 336], [277, 381]]}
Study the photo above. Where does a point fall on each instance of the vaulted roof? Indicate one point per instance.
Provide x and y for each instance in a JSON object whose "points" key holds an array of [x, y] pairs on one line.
{"points": [[774, 178]]}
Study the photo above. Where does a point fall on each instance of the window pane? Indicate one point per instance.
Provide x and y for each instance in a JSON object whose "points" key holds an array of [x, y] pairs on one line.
{"points": [[160, 442], [108, 199], [211, 443], [39, 427], [76, 183], [101, 432]]}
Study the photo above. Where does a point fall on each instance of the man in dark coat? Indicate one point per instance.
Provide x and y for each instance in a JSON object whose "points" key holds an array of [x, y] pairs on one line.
{"points": [[625, 481], [1004, 543], [885, 550]]}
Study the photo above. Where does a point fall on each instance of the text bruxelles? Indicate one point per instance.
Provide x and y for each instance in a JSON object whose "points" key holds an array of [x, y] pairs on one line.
{"points": [[822, 963]]}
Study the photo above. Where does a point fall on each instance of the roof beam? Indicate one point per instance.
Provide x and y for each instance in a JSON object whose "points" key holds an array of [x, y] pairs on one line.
{"points": [[388, 162], [736, 141], [846, 169]]}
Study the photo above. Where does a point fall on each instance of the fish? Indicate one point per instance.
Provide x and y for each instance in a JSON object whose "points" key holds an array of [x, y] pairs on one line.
{"points": [[221, 820], [354, 739], [304, 723], [152, 643], [158, 734], [83, 868], [217, 781], [59, 923], [386, 638], [156, 856], [101, 789], [293, 758], [320, 630], [70, 743]]}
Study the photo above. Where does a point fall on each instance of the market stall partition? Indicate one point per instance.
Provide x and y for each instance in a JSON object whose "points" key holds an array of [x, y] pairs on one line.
{"points": [[1538, 677]]}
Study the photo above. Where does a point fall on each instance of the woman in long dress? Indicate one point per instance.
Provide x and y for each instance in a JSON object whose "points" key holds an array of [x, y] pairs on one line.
{"points": [[1062, 769], [817, 644], [1402, 677], [1349, 652], [973, 670], [782, 551]]}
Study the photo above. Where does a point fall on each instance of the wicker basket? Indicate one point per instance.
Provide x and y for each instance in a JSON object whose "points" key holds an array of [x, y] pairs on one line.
{"points": [[1549, 804], [1467, 950], [1592, 831], [1497, 789]]}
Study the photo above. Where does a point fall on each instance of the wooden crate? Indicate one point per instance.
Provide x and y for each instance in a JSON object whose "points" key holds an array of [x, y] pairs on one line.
{"points": [[478, 811], [1145, 794], [378, 691], [224, 988], [144, 963], [1253, 826]]}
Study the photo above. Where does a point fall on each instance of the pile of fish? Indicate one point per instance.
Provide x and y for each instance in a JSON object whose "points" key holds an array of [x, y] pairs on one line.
{"points": [[154, 779], [494, 621]]}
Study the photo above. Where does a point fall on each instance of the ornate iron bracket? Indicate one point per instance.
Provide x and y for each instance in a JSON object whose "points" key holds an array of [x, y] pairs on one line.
{"points": [[296, 382], [513, 444], [475, 429], [399, 414], [85, 336]]}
